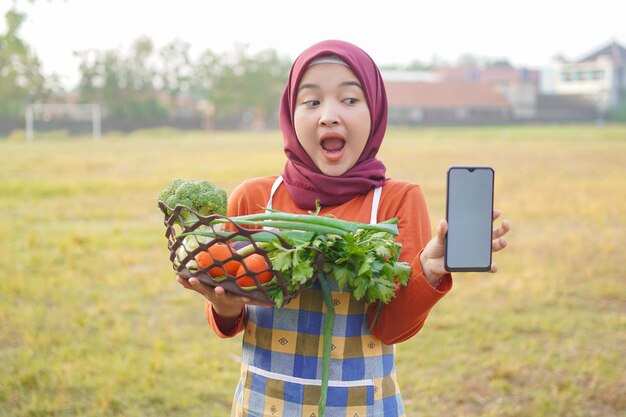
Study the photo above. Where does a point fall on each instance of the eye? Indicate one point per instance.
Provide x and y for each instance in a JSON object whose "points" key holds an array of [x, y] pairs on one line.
{"points": [[311, 103], [350, 100]]}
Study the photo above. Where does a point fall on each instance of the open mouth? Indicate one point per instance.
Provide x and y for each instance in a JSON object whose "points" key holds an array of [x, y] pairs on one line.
{"points": [[333, 147], [333, 144]]}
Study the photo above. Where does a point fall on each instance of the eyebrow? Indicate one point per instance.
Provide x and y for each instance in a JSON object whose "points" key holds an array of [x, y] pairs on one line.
{"points": [[343, 84]]}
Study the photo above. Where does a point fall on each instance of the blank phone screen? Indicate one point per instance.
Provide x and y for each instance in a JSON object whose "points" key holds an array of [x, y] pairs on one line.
{"points": [[469, 215]]}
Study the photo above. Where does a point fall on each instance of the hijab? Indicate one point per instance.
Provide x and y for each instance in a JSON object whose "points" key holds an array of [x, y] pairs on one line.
{"points": [[305, 183]]}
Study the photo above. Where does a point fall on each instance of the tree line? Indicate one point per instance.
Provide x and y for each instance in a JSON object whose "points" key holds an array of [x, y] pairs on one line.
{"points": [[146, 82]]}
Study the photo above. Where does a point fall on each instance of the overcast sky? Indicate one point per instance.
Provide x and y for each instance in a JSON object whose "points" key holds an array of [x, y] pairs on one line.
{"points": [[527, 32]]}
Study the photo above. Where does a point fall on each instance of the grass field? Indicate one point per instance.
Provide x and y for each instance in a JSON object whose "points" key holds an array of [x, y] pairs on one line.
{"points": [[92, 322]]}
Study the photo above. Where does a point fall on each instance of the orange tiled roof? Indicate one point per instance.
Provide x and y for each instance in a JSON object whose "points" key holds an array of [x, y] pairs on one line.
{"points": [[443, 95]]}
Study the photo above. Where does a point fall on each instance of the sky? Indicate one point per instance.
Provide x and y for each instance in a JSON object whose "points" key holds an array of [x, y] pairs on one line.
{"points": [[526, 32]]}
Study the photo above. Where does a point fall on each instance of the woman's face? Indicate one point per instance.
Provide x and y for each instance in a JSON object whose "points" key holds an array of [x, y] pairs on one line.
{"points": [[331, 117]]}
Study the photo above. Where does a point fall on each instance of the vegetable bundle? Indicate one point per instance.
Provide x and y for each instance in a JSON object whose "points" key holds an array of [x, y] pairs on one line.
{"points": [[361, 258], [271, 256]]}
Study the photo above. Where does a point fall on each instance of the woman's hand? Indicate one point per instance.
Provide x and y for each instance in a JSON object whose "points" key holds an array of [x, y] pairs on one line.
{"points": [[225, 304], [432, 257]]}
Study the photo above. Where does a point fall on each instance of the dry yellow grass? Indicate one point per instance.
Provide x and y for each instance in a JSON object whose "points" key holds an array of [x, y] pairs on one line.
{"points": [[93, 324]]}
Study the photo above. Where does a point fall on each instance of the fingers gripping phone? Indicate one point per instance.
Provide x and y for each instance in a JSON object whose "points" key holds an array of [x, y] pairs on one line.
{"points": [[469, 212]]}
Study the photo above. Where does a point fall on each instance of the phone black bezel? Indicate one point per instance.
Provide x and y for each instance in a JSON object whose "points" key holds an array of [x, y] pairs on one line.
{"points": [[493, 178]]}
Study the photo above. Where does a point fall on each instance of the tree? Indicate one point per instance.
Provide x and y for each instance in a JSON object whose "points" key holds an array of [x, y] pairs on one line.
{"points": [[500, 62], [204, 72], [175, 69], [417, 65], [21, 77], [124, 84], [469, 61], [618, 113], [246, 87]]}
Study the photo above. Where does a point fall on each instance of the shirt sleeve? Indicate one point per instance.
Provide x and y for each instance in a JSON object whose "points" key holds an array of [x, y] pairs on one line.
{"points": [[218, 324], [405, 315]]}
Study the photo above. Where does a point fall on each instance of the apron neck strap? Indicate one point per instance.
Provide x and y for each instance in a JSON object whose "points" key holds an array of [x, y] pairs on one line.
{"points": [[375, 201]]}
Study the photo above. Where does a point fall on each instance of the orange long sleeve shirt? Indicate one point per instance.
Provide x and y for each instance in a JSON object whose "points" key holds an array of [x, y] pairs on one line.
{"points": [[405, 315]]}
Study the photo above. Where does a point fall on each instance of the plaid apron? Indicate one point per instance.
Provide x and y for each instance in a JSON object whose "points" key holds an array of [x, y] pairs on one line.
{"points": [[282, 359]]}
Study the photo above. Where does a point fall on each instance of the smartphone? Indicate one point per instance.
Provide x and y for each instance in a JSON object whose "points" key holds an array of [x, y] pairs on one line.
{"points": [[469, 212]]}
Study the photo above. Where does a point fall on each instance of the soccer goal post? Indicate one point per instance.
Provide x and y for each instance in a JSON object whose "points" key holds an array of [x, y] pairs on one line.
{"points": [[77, 112]]}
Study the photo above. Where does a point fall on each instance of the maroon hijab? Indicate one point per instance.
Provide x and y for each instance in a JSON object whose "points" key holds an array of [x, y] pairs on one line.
{"points": [[304, 181]]}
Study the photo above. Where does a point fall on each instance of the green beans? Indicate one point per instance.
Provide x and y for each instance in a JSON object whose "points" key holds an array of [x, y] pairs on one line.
{"points": [[307, 221], [329, 320]]}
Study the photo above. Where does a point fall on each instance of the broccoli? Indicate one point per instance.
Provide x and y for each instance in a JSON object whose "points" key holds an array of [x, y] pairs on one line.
{"points": [[200, 196], [169, 191]]}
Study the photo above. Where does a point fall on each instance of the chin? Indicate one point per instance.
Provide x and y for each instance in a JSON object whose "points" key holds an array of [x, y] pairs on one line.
{"points": [[333, 172], [333, 169]]}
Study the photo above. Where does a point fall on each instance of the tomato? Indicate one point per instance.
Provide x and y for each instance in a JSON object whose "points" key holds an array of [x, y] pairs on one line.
{"points": [[258, 266], [218, 252]]}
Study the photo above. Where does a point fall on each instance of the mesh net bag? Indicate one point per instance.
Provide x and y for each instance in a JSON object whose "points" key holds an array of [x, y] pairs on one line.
{"points": [[227, 255]]}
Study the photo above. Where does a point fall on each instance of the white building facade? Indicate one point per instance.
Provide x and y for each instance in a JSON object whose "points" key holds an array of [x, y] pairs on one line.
{"points": [[600, 77]]}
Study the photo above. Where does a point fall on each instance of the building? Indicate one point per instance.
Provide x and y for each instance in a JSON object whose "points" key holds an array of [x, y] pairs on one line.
{"points": [[599, 77], [450, 103], [518, 85]]}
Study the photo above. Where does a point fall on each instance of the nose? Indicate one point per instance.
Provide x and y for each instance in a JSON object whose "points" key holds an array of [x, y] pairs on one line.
{"points": [[329, 115]]}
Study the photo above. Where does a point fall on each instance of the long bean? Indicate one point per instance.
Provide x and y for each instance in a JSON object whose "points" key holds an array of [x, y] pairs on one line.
{"points": [[302, 218], [389, 226], [329, 320], [289, 225]]}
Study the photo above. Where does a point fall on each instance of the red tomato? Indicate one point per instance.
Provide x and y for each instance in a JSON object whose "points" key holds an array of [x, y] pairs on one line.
{"points": [[218, 252], [258, 266]]}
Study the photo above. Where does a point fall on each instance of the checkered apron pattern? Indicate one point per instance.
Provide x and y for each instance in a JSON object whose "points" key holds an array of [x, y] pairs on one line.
{"points": [[282, 359]]}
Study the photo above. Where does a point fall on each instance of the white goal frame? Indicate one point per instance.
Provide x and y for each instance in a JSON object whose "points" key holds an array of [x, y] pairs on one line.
{"points": [[77, 111]]}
